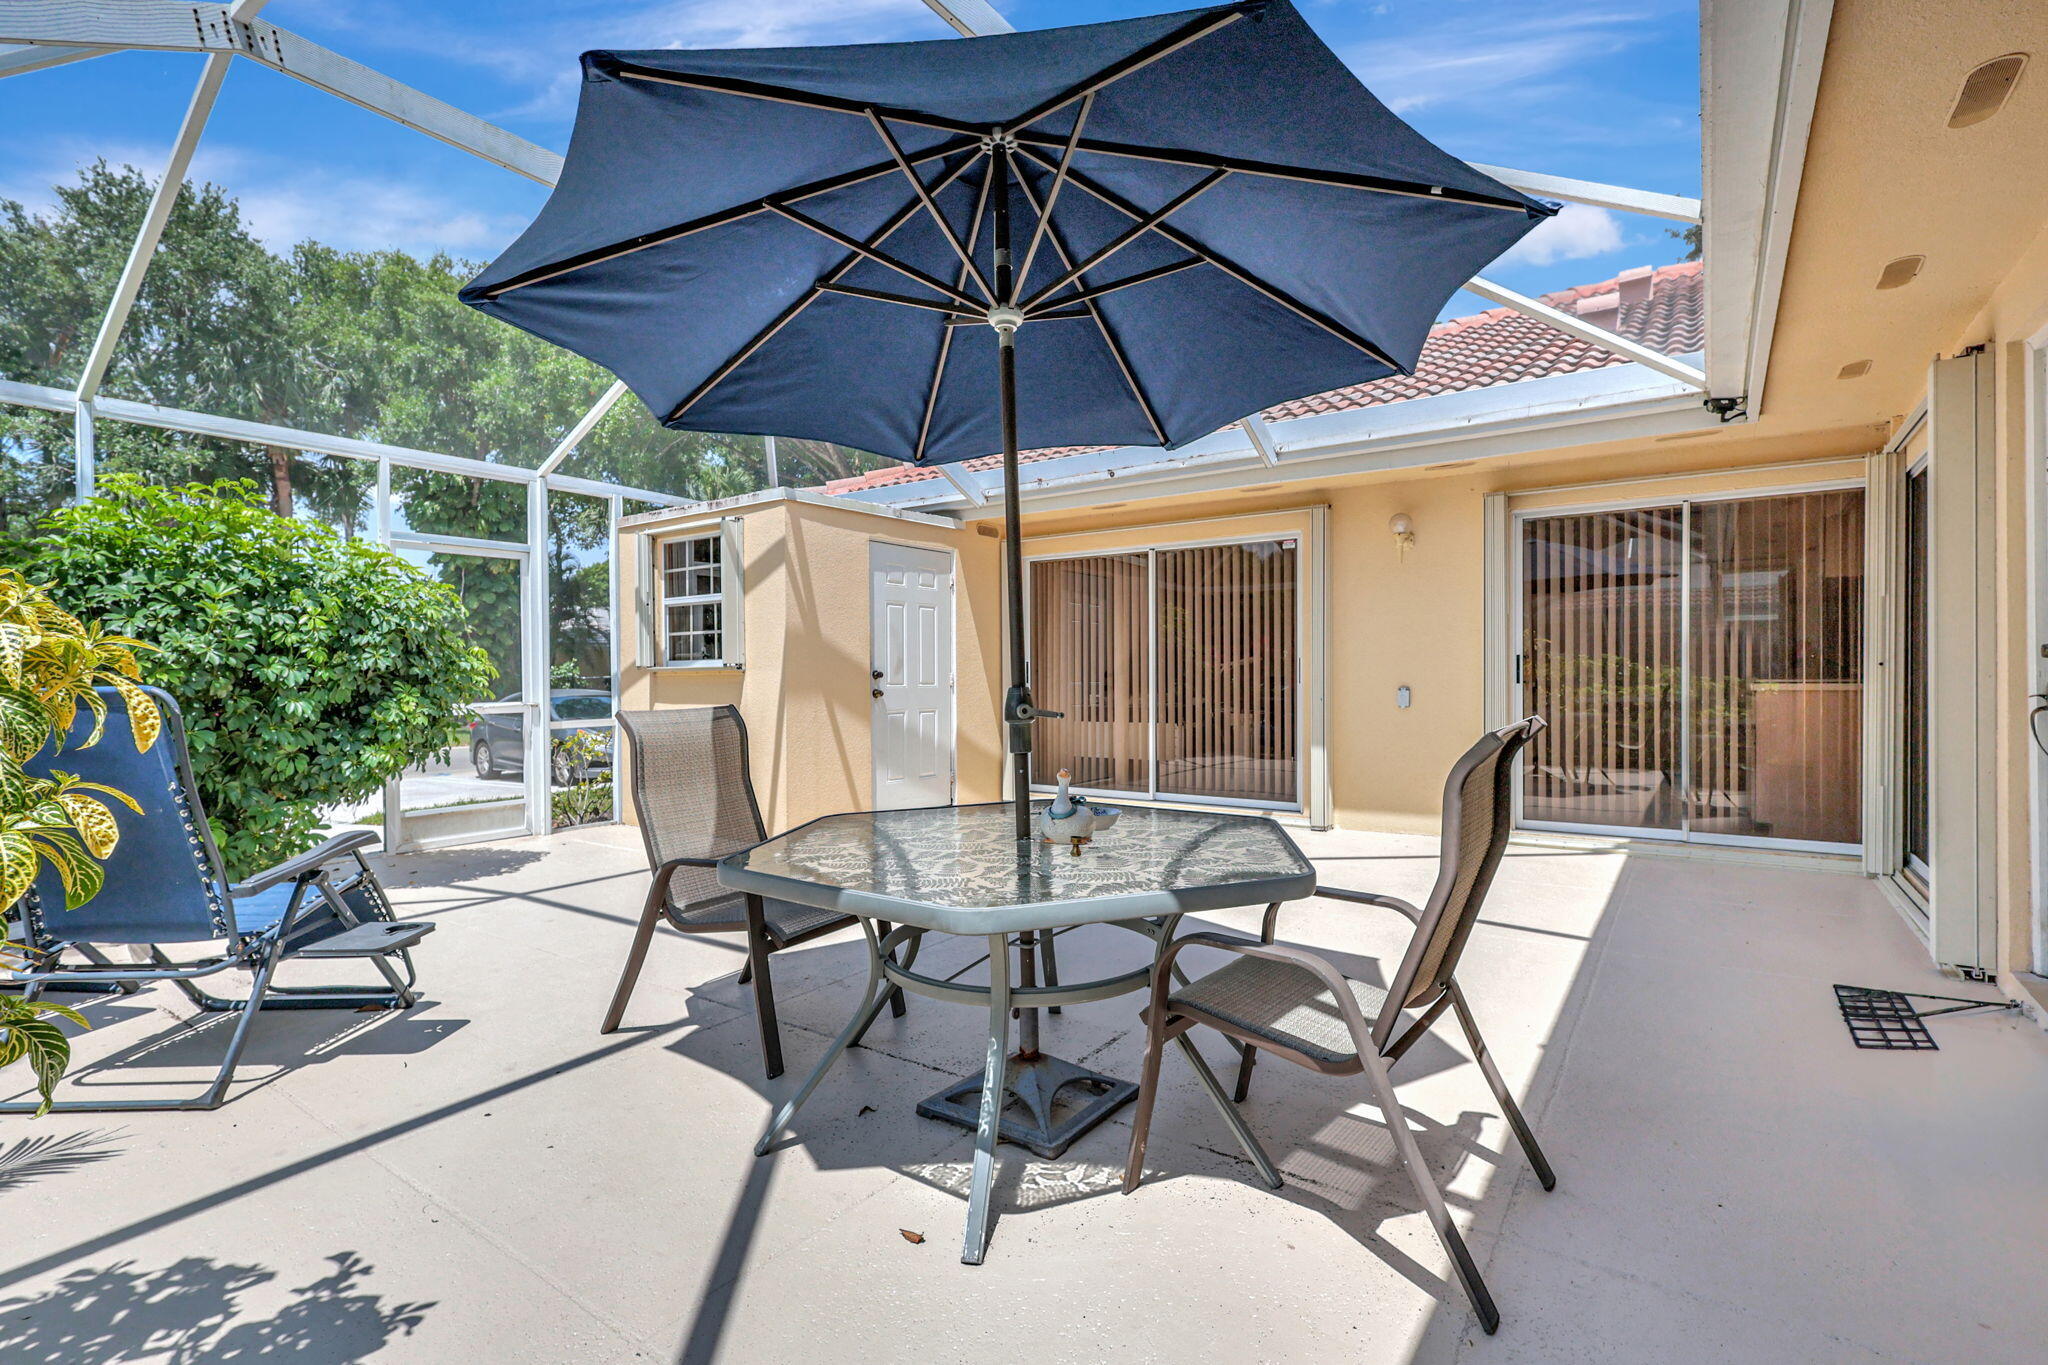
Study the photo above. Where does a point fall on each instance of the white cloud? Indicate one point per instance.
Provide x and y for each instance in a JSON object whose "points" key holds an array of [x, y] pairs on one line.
{"points": [[1578, 232], [1462, 64], [541, 55], [284, 202]]}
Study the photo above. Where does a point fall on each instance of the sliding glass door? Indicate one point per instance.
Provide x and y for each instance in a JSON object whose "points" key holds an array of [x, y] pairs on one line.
{"points": [[1701, 667], [1916, 842], [1177, 669]]}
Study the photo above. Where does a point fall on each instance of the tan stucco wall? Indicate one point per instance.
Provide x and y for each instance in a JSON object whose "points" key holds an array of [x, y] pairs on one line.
{"points": [[804, 686]]}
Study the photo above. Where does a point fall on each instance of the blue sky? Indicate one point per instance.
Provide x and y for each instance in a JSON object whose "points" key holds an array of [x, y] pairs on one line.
{"points": [[1603, 91]]}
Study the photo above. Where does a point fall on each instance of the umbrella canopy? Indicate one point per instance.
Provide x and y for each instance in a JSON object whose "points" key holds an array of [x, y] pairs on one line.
{"points": [[1235, 221], [1124, 233]]}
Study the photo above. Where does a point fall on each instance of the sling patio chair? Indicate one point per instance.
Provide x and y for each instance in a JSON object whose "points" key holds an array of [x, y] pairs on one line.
{"points": [[693, 794], [1294, 1004], [165, 886]]}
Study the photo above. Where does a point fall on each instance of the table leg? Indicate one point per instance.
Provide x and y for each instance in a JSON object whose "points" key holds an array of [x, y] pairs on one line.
{"points": [[993, 1093], [863, 1014]]}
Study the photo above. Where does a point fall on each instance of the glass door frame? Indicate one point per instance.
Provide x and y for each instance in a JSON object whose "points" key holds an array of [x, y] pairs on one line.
{"points": [[1303, 623], [536, 797], [1519, 685]]}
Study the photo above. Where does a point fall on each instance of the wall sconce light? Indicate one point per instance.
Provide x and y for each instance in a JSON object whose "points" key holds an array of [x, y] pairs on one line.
{"points": [[1403, 527]]}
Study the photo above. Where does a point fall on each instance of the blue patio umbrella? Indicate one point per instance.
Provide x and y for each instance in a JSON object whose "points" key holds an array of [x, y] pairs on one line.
{"points": [[1123, 233]]}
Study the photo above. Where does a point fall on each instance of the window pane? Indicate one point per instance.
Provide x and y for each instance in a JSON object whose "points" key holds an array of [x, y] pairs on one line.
{"points": [[1089, 660], [429, 502], [693, 633], [1601, 610], [579, 604], [1777, 686], [1226, 671], [36, 474]]}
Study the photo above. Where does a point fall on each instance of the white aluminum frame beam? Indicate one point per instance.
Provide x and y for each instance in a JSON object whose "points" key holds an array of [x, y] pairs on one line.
{"points": [[1677, 208], [1585, 331], [168, 187], [1261, 437], [314, 442], [155, 24], [581, 431], [43, 56]]}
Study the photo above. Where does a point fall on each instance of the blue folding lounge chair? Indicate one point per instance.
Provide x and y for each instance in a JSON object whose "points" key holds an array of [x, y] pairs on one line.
{"points": [[165, 886]]}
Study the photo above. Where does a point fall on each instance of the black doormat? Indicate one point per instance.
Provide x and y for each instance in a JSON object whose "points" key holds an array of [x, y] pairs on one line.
{"points": [[1886, 1020]]}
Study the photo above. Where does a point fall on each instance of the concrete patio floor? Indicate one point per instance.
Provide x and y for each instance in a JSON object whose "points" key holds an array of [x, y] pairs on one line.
{"points": [[485, 1179]]}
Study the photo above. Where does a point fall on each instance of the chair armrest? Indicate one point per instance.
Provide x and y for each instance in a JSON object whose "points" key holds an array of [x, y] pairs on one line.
{"points": [[1394, 903], [1338, 893], [1332, 979], [307, 863]]}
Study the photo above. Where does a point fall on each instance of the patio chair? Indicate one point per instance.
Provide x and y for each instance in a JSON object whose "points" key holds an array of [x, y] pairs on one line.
{"points": [[693, 794], [165, 886], [1294, 1004]]}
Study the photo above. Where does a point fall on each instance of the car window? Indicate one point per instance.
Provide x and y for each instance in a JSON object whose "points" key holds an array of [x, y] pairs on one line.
{"points": [[583, 708]]}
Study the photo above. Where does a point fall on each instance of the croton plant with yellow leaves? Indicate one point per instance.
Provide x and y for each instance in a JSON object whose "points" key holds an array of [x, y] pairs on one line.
{"points": [[50, 664]]}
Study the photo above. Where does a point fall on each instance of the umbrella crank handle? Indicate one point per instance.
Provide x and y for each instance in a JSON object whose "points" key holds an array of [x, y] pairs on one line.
{"points": [[1018, 715]]}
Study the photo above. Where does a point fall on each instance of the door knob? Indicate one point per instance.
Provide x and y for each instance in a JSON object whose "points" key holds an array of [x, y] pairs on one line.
{"points": [[875, 691], [876, 675]]}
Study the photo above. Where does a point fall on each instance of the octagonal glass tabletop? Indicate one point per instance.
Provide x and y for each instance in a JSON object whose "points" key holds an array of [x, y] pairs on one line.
{"points": [[961, 869]]}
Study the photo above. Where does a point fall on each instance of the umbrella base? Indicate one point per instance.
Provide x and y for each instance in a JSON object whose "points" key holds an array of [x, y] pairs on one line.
{"points": [[1036, 1112]]}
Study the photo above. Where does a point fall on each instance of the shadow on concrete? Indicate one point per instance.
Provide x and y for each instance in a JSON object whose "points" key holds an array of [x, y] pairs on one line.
{"points": [[191, 1311], [36, 1158], [1346, 1169]]}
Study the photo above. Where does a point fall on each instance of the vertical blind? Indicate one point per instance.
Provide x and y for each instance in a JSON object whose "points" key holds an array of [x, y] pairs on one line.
{"points": [[1701, 667], [1226, 671], [1220, 721], [1090, 660], [1602, 598]]}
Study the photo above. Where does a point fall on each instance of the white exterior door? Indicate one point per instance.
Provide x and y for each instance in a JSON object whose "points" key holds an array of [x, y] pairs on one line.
{"points": [[911, 604]]}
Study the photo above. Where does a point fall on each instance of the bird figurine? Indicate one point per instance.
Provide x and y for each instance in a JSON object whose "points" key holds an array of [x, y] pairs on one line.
{"points": [[1066, 820]]}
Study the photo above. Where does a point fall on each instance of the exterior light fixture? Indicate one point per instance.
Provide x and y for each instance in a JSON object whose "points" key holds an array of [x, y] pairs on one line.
{"points": [[1900, 272], [1855, 369], [1403, 527]]}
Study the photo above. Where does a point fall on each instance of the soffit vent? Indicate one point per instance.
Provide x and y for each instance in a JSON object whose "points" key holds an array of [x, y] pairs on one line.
{"points": [[1986, 89], [1900, 272]]}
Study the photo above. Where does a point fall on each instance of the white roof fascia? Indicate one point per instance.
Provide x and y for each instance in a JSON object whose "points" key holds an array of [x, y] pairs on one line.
{"points": [[1611, 403], [1760, 63]]}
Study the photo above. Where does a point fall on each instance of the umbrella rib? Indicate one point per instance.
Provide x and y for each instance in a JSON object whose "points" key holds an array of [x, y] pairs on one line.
{"points": [[803, 301], [1233, 269], [883, 296], [1052, 194], [1135, 62], [779, 94], [734, 214], [1116, 350], [852, 243], [930, 205], [1097, 291], [1348, 180], [1129, 235], [931, 396]]}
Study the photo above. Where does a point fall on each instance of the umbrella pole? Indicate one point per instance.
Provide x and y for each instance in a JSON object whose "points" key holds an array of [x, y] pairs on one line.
{"points": [[1017, 710]]}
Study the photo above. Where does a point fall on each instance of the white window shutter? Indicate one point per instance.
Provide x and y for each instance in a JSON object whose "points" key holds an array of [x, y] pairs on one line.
{"points": [[646, 594], [732, 614]]}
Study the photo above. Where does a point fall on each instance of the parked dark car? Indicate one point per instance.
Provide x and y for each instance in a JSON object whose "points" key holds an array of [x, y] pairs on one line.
{"points": [[497, 742]]}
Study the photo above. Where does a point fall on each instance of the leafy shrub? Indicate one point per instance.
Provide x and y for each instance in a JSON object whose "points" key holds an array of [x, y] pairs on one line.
{"points": [[311, 668]]}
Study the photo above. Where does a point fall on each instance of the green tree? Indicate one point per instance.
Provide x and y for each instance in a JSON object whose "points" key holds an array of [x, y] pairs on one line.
{"points": [[311, 669]]}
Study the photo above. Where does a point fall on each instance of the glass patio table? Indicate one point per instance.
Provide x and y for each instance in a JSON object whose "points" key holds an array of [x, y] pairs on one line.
{"points": [[962, 870]]}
